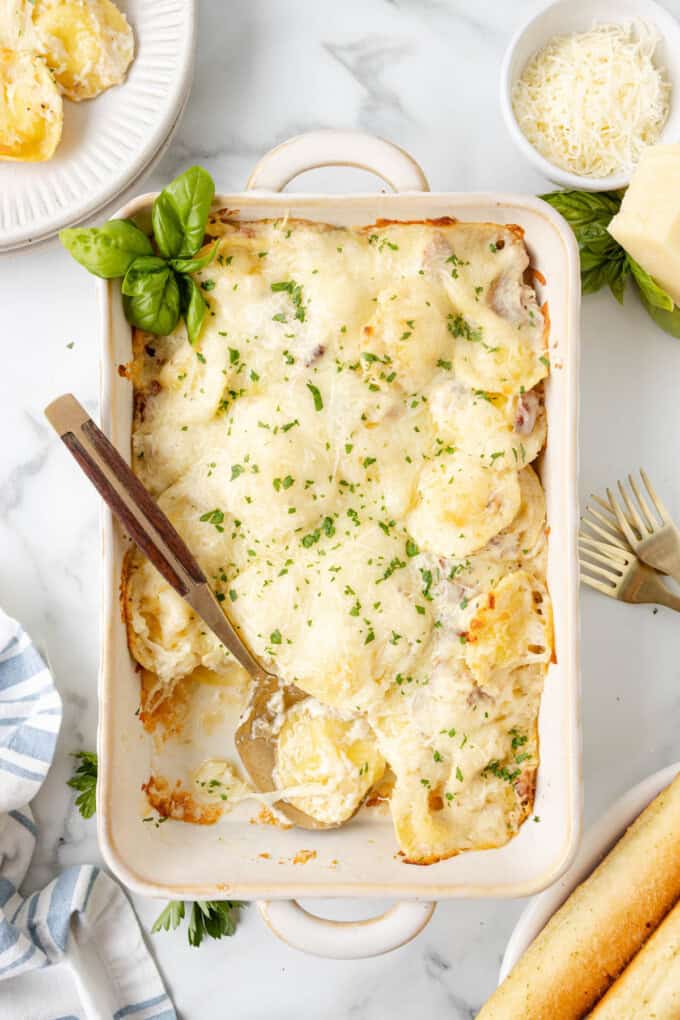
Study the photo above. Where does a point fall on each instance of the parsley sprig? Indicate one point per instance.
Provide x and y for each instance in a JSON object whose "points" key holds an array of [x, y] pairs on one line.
{"points": [[208, 918], [213, 918], [84, 779]]}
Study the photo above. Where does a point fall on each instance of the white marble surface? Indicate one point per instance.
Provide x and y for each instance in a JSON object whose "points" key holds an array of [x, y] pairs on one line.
{"points": [[424, 73]]}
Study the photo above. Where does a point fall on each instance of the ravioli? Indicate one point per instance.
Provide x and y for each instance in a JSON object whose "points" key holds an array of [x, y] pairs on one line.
{"points": [[31, 113], [346, 450], [333, 760], [50, 48], [87, 43]]}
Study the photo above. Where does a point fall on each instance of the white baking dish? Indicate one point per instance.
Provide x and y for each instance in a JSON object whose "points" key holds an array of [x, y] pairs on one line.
{"points": [[185, 861]]}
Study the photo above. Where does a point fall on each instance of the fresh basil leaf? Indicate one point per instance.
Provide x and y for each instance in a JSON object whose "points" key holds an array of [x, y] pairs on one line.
{"points": [[596, 239], [581, 208], [193, 307], [180, 213], [142, 266], [653, 294], [669, 321], [151, 297], [618, 277], [195, 265], [106, 251], [594, 278], [603, 260]]}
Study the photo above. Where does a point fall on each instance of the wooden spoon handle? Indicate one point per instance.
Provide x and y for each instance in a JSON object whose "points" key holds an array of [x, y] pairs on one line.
{"points": [[143, 520]]}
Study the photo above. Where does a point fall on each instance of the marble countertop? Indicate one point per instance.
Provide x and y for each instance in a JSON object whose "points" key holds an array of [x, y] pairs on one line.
{"points": [[425, 74]]}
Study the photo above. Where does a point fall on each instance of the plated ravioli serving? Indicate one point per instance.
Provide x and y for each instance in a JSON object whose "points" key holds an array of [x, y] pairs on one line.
{"points": [[347, 450]]}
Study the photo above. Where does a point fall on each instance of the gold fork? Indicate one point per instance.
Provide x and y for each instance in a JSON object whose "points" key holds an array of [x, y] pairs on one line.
{"points": [[617, 572], [653, 537]]}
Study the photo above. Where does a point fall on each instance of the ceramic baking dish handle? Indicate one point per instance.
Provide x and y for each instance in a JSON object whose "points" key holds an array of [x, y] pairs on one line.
{"points": [[337, 148], [345, 940]]}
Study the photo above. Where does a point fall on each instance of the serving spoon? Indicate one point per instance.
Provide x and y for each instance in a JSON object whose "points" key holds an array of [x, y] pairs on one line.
{"points": [[150, 529]]}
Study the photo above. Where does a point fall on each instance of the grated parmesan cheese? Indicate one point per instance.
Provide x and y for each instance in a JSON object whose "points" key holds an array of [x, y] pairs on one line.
{"points": [[591, 102]]}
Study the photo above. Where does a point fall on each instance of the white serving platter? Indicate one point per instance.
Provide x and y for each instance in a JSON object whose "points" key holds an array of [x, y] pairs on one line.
{"points": [[597, 842]]}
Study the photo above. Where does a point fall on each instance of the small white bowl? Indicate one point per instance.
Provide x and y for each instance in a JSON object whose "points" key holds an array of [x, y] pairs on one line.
{"points": [[568, 16], [597, 842]]}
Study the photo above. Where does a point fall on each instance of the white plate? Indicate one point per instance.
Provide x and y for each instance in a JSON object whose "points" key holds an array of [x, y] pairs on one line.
{"points": [[108, 142], [598, 841]]}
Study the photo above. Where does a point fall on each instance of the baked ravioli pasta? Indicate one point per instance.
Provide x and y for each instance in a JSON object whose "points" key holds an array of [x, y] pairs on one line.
{"points": [[50, 48], [347, 450]]}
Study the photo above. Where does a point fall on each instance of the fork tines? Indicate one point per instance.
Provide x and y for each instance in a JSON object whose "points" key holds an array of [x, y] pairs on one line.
{"points": [[603, 525], [603, 564], [635, 525]]}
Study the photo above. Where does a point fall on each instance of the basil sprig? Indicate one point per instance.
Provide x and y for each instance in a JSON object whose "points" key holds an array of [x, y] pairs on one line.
{"points": [[603, 260], [157, 286]]}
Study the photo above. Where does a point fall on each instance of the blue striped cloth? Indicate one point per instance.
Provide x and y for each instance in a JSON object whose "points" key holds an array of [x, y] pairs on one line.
{"points": [[74, 950]]}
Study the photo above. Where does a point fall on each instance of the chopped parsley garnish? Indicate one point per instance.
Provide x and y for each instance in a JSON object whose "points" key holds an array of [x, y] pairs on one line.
{"points": [[395, 564], [411, 548], [455, 262], [495, 768], [214, 517], [427, 583], [275, 637], [295, 291], [236, 470], [459, 326], [327, 527], [518, 739], [318, 399]]}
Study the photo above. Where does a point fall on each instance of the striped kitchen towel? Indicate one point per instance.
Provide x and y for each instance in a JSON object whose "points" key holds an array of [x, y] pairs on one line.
{"points": [[74, 950]]}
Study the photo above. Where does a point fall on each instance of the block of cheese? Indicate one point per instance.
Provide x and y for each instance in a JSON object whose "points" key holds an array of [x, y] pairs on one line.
{"points": [[648, 222]]}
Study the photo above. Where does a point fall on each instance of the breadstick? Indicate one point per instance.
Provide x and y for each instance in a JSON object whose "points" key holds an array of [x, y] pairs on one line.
{"points": [[591, 938], [649, 988]]}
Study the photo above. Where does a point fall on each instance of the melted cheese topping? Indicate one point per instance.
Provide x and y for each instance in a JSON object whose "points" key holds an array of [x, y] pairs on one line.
{"points": [[346, 452], [591, 102]]}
